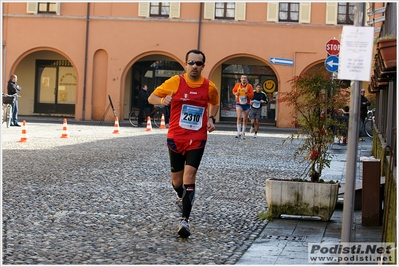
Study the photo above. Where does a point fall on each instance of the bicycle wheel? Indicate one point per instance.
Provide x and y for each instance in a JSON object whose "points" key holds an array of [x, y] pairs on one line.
{"points": [[8, 115], [133, 116], [157, 117], [368, 128], [3, 116]]}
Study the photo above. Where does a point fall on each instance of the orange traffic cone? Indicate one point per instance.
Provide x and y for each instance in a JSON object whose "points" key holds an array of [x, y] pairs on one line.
{"points": [[116, 126], [24, 137], [149, 127], [64, 129], [162, 126]]}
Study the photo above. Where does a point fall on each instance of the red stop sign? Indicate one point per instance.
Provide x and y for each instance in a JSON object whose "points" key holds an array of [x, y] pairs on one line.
{"points": [[332, 47]]}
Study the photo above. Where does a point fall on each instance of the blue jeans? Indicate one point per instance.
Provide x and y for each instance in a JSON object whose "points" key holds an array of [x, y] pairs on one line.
{"points": [[14, 118]]}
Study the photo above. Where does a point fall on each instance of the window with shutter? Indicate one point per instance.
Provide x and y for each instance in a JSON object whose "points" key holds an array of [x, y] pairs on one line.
{"points": [[346, 13], [240, 10], [288, 12], [174, 10], [31, 7], [159, 9], [209, 10], [144, 9], [331, 13], [272, 12], [48, 7], [305, 12], [225, 10]]}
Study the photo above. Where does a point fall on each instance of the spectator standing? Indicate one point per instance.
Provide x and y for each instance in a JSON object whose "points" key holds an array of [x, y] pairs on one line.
{"points": [[194, 103], [364, 104], [12, 89], [143, 104], [255, 112], [244, 92]]}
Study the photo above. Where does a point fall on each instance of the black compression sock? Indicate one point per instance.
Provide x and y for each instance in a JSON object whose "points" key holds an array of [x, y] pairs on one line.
{"points": [[188, 199], [179, 190]]}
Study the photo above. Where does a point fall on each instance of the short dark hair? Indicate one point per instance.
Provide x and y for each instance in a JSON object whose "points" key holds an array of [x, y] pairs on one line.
{"points": [[258, 85], [196, 51]]}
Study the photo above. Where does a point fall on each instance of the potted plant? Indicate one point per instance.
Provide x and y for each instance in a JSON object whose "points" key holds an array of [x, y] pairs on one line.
{"points": [[314, 98]]}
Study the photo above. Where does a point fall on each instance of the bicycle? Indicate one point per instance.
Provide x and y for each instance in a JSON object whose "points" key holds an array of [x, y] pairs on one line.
{"points": [[8, 100], [155, 115], [369, 123]]}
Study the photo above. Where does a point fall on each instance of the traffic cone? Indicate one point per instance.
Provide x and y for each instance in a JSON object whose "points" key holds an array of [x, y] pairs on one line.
{"points": [[149, 127], [116, 126], [64, 129], [24, 137], [163, 126]]}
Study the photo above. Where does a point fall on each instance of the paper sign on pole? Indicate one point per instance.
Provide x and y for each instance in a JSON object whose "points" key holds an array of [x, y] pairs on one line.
{"points": [[356, 53]]}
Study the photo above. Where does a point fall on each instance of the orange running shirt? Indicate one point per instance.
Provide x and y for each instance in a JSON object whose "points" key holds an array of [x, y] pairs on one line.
{"points": [[189, 107], [241, 93]]}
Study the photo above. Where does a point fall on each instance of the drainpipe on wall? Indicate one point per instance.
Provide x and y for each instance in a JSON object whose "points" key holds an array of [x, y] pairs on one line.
{"points": [[199, 26], [85, 66], [4, 63]]}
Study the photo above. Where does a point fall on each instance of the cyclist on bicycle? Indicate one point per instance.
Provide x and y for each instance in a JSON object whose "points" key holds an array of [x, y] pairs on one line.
{"points": [[13, 88]]}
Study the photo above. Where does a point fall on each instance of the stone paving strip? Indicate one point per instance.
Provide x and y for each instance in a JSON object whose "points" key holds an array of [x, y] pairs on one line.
{"points": [[102, 198]]}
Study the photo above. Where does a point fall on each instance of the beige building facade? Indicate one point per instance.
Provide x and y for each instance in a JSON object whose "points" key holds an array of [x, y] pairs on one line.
{"points": [[72, 58]]}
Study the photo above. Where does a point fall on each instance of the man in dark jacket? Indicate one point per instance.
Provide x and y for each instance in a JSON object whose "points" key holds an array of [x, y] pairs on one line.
{"points": [[143, 103], [364, 103], [13, 88]]}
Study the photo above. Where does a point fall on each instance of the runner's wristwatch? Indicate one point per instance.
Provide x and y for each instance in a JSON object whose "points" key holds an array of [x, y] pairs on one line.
{"points": [[213, 119]]}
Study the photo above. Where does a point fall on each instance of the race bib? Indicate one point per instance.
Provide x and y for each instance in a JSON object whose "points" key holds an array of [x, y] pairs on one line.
{"points": [[243, 99], [256, 104], [191, 117]]}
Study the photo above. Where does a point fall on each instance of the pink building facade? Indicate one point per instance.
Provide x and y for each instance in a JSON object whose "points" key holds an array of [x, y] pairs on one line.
{"points": [[71, 58]]}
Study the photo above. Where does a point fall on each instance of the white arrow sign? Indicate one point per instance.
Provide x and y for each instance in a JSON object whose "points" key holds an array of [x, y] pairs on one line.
{"points": [[331, 63], [282, 61]]}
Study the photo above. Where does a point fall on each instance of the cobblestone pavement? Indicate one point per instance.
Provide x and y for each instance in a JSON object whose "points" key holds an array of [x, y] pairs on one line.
{"points": [[103, 198]]}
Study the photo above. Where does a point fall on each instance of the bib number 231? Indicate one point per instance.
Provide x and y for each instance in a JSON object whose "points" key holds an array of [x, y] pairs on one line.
{"points": [[191, 117]]}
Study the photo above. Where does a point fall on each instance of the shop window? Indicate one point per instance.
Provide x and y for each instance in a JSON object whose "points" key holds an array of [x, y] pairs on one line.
{"points": [[346, 13]]}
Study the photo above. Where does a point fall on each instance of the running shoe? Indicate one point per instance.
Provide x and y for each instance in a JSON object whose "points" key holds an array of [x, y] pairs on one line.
{"points": [[238, 135], [255, 135], [243, 136], [179, 203], [251, 130], [184, 231]]}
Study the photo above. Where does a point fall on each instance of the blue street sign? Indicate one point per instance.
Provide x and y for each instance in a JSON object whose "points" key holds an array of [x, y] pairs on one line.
{"points": [[331, 63], [282, 61]]}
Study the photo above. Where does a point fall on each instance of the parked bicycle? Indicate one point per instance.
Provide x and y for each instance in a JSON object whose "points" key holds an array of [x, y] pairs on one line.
{"points": [[155, 115], [8, 100], [369, 122]]}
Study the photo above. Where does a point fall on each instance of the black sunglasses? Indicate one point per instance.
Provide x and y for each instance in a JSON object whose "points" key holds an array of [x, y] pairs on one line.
{"points": [[198, 63]]}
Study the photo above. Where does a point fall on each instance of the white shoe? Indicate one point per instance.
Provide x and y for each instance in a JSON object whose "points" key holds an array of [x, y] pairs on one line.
{"points": [[251, 130], [238, 135], [255, 135], [243, 136], [184, 230]]}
